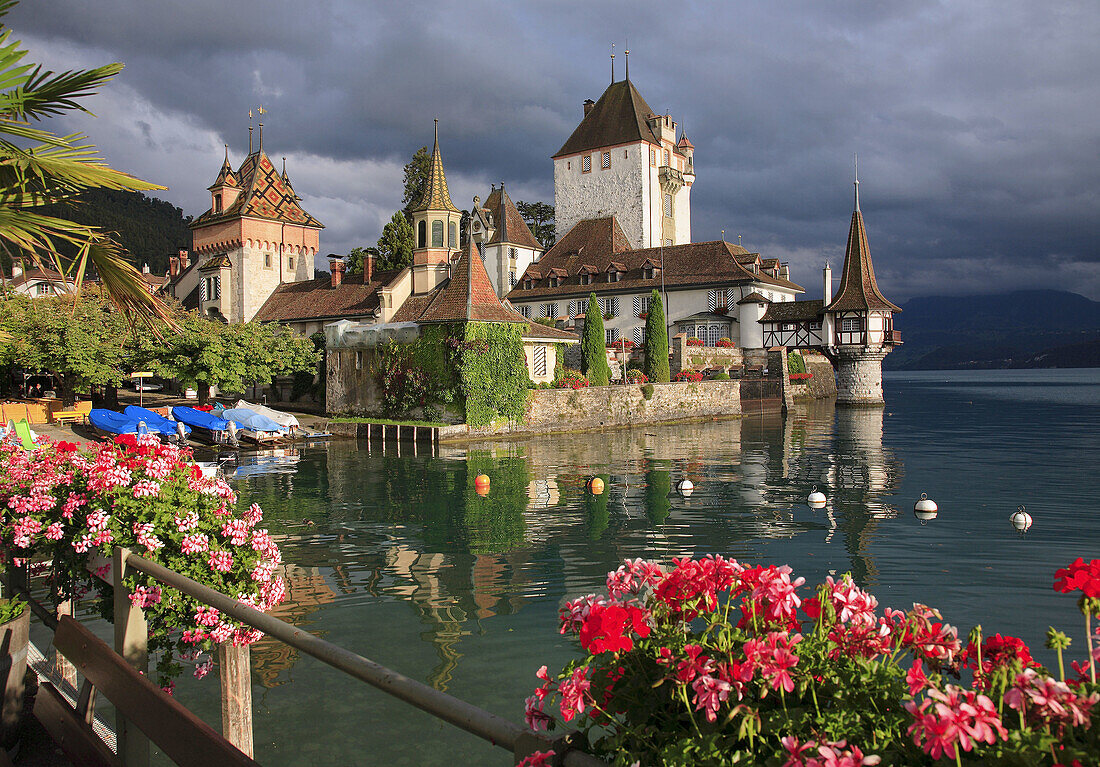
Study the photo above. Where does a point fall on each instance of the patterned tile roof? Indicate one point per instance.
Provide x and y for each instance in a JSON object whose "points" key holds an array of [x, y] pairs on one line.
{"points": [[753, 298], [436, 196], [620, 116], [599, 243], [220, 261], [858, 286], [263, 194], [510, 226], [317, 299]]}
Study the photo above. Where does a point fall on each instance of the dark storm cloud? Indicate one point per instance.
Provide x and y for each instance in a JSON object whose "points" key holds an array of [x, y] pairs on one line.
{"points": [[975, 122]]}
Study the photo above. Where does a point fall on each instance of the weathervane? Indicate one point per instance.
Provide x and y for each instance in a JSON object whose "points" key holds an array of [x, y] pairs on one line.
{"points": [[612, 63], [628, 58]]}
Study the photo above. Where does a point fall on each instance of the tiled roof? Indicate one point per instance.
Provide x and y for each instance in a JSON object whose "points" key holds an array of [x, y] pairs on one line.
{"points": [[263, 195], [436, 196], [540, 331], [858, 287], [753, 298], [510, 226], [38, 275], [317, 299], [793, 311], [220, 261], [598, 243], [618, 117], [467, 296], [225, 175]]}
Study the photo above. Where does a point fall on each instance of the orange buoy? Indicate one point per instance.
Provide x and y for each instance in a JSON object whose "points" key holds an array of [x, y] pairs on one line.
{"points": [[595, 486], [482, 490], [481, 484]]}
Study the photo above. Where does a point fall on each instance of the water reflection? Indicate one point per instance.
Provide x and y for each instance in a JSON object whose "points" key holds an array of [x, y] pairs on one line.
{"points": [[362, 530]]}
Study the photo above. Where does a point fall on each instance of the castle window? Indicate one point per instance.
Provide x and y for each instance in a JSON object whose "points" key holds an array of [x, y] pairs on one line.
{"points": [[511, 279], [666, 157], [638, 335], [668, 205], [568, 165], [267, 260], [612, 335], [452, 232], [527, 284], [512, 255], [851, 325], [625, 154], [437, 234], [422, 234], [549, 310], [586, 164], [815, 325], [210, 289], [586, 279], [359, 360], [640, 304], [605, 160], [217, 203], [553, 281], [525, 311], [668, 243], [612, 276], [653, 157]]}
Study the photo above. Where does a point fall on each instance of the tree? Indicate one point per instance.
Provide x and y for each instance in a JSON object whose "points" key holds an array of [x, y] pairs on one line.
{"points": [[417, 171], [54, 169], [395, 246], [355, 260], [540, 218], [594, 345], [656, 341]]}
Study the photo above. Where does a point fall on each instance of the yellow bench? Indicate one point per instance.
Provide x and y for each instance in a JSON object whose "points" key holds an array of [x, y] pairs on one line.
{"points": [[79, 413]]}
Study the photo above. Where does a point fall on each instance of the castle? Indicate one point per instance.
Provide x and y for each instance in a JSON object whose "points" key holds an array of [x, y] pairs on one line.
{"points": [[622, 194]]}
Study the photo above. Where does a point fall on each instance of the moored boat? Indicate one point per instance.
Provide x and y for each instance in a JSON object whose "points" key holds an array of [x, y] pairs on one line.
{"points": [[158, 423], [254, 426], [207, 427]]}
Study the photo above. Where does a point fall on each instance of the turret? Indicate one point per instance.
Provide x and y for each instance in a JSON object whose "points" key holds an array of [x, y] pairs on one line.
{"points": [[435, 226]]}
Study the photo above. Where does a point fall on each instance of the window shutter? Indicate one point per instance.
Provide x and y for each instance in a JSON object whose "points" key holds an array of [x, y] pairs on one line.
{"points": [[637, 304], [712, 300], [614, 307], [203, 290], [730, 296], [540, 360], [638, 336]]}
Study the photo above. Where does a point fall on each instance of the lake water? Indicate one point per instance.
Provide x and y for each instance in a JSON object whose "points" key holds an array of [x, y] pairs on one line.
{"points": [[397, 558]]}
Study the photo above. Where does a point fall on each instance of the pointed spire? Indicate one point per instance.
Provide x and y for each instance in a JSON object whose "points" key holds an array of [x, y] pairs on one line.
{"points": [[859, 289], [261, 136], [628, 59], [612, 63], [226, 162], [857, 182], [436, 196], [250, 135]]}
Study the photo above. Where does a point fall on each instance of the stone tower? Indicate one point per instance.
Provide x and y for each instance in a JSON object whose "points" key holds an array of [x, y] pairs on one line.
{"points": [[435, 221], [861, 320], [624, 160], [506, 243], [254, 237]]}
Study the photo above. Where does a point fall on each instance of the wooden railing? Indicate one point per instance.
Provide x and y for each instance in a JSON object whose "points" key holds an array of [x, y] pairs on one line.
{"points": [[130, 634]]}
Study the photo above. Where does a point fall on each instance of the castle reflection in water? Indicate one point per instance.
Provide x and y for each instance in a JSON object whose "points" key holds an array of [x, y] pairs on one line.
{"points": [[360, 529]]}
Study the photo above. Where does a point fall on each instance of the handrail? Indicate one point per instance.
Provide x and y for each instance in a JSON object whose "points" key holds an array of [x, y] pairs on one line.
{"points": [[465, 716]]}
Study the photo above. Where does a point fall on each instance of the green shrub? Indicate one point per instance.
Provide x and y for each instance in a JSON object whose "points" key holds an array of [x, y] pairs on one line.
{"points": [[795, 363], [647, 391], [720, 377], [10, 609], [593, 350], [656, 341]]}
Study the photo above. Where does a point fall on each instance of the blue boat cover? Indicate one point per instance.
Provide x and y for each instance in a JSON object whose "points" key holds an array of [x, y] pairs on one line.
{"points": [[248, 419], [155, 421], [199, 418], [112, 422]]}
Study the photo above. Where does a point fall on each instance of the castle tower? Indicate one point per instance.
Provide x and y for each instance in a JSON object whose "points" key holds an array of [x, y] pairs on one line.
{"points": [[254, 237], [435, 221], [507, 245], [624, 160], [862, 321]]}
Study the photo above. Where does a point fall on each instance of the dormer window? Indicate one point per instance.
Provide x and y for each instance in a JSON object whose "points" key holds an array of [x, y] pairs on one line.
{"points": [[613, 276], [586, 278], [553, 280]]}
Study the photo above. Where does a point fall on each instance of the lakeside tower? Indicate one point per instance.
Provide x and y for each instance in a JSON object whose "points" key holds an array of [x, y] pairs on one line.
{"points": [[435, 221], [861, 322]]}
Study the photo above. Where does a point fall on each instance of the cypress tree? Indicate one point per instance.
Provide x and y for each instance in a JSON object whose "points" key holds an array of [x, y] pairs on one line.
{"points": [[593, 345], [656, 341]]}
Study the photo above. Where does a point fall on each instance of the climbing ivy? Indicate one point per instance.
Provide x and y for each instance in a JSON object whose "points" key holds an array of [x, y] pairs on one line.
{"points": [[795, 363], [418, 374], [492, 370]]}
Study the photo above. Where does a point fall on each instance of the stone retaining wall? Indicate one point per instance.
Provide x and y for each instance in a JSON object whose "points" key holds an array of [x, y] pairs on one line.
{"points": [[601, 407], [822, 385]]}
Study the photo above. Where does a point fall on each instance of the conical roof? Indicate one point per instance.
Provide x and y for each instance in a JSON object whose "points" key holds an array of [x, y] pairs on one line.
{"points": [[858, 287], [436, 196], [468, 296], [508, 221], [619, 117], [225, 175]]}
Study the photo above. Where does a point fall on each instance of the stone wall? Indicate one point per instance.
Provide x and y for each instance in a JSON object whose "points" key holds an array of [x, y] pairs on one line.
{"points": [[859, 376], [823, 383], [601, 407], [353, 380], [698, 357]]}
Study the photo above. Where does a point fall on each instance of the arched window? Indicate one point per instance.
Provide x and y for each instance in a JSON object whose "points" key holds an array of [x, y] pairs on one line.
{"points": [[422, 234], [452, 235], [437, 234]]}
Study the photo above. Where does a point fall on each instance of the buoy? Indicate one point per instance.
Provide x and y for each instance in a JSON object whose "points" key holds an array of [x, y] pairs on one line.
{"points": [[1021, 520], [925, 509], [482, 490], [685, 487], [482, 481], [595, 486], [816, 499]]}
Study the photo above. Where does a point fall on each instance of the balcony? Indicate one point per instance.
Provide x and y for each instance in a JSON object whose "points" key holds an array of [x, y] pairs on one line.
{"points": [[672, 180]]}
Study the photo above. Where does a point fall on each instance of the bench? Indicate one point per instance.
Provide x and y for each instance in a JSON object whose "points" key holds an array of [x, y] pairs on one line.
{"points": [[64, 416], [179, 734]]}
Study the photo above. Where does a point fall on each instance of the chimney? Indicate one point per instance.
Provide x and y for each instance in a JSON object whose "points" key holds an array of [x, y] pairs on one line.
{"points": [[588, 104], [145, 268], [173, 267], [785, 271], [337, 267], [185, 260], [368, 267], [827, 284]]}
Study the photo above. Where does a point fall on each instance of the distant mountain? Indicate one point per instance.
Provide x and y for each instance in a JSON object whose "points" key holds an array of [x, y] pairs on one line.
{"points": [[1026, 328], [149, 229]]}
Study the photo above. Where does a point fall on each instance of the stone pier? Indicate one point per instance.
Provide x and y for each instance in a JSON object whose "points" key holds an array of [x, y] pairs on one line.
{"points": [[859, 376]]}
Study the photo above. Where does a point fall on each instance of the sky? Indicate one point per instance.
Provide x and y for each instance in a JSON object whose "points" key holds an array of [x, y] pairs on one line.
{"points": [[976, 124]]}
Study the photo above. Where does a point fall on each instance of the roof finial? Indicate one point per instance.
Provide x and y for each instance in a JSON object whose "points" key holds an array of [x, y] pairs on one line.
{"points": [[738, 239], [437, 133], [723, 235], [857, 180], [261, 136], [628, 59], [612, 63], [250, 133], [227, 154]]}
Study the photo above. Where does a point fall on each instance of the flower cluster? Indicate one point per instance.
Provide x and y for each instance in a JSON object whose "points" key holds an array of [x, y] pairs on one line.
{"points": [[693, 376], [725, 343], [1079, 576], [621, 344], [795, 377], [66, 503], [712, 661], [693, 341], [635, 376], [571, 379]]}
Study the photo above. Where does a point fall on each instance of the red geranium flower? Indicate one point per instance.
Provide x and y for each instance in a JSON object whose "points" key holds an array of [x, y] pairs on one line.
{"points": [[1079, 576]]}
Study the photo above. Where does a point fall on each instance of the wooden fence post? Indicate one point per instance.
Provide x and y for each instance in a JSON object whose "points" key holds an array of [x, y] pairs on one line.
{"points": [[235, 665], [131, 642], [62, 667]]}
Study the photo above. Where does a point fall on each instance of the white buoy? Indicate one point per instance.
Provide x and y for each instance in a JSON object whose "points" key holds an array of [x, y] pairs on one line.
{"points": [[1021, 520], [816, 499], [685, 487], [925, 509]]}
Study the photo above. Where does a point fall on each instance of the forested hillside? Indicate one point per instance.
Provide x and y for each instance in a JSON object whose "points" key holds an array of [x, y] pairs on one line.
{"points": [[149, 229]]}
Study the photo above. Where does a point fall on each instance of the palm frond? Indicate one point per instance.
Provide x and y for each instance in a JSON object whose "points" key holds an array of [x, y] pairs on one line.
{"points": [[69, 165], [48, 94]]}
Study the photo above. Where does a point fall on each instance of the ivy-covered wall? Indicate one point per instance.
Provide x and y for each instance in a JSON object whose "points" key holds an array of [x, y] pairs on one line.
{"points": [[493, 372]]}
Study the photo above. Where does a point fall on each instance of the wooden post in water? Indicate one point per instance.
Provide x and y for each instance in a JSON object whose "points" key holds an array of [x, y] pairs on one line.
{"points": [[131, 642], [235, 664]]}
